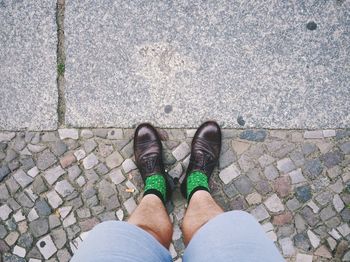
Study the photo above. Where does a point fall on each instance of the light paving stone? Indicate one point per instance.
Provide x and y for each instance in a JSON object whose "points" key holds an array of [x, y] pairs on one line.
{"points": [[130, 205], [67, 160], [5, 212], [253, 198], [32, 215], [287, 246], [120, 214], [229, 173], [323, 251], [80, 181], [317, 134], [285, 165], [31, 194], [64, 211], [34, 260], [73, 172], [314, 239], [267, 227], [296, 176], [54, 199], [181, 151], [337, 187], [265, 160], [90, 161], [80, 154], [63, 255], [176, 172], [18, 216], [45, 160], [274, 204], [260, 213], [22, 178], [33, 172], [338, 203], [328, 133], [115, 134], [303, 258], [51, 175], [86, 133], [11, 238], [64, 188], [314, 207], [6, 136], [344, 229], [46, 247], [270, 172], [19, 251], [335, 234], [128, 165], [331, 243], [68, 133], [114, 160], [116, 176], [239, 146], [89, 145], [70, 220]]}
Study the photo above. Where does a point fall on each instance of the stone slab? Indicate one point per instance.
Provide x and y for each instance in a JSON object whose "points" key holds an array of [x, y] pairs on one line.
{"points": [[28, 41], [178, 63]]}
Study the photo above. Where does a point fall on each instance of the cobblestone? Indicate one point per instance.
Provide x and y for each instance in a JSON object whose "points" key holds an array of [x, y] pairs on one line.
{"points": [[271, 179]]}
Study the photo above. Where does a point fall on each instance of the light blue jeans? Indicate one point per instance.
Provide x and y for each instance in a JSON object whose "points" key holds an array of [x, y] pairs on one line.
{"points": [[231, 236]]}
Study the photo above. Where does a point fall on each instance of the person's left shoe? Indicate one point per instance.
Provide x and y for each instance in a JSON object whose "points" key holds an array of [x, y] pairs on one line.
{"points": [[148, 158]]}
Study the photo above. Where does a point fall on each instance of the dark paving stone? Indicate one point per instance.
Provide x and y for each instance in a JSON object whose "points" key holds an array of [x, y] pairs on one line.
{"points": [[253, 135], [42, 207], [313, 168], [303, 193], [243, 185], [332, 159], [4, 171], [301, 241], [309, 216]]}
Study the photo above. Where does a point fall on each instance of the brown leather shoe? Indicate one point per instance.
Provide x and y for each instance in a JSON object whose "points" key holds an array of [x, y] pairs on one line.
{"points": [[205, 151], [148, 152]]}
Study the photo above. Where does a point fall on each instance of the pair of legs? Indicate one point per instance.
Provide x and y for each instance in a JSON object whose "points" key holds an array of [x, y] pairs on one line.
{"points": [[208, 232], [201, 209]]}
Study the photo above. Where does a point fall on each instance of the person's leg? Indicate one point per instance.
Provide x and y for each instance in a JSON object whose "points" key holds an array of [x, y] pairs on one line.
{"points": [[120, 241], [231, 236], [201, 209], [152, 217], [147, 235], [205, 152]]}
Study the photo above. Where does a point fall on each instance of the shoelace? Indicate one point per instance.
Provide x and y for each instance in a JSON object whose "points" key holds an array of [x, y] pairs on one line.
{"points": [[150, 162], [203, 160]]}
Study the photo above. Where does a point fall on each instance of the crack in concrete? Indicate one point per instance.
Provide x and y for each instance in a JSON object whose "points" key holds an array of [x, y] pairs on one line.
{"points": [[61, 59]]}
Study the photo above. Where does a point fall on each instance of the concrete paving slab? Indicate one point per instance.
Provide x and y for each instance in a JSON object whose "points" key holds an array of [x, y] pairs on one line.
{"points": [[253, 64], [28, 45]]}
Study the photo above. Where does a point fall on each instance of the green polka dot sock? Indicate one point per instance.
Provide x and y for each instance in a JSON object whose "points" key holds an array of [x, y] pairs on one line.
{"points": [[196, 181], [155, 184]]}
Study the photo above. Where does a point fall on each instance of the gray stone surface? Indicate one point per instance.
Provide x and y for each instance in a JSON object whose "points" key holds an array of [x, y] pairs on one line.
{"points": [[64, 202], [246, 62], [28, 89]]}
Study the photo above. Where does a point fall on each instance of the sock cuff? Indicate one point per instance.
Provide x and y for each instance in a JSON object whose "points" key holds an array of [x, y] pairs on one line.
{"points": [[156, 184], [196, 181]]}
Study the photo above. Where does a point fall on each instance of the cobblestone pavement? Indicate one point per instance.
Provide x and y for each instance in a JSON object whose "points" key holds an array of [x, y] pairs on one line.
{"points": [[55, 186]]}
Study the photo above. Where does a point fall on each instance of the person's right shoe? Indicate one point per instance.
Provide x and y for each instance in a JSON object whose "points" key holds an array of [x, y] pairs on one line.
{"points": [[205, 152]]}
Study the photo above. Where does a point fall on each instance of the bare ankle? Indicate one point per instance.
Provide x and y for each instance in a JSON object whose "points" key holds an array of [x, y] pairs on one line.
{"points": [[201, 209]]}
